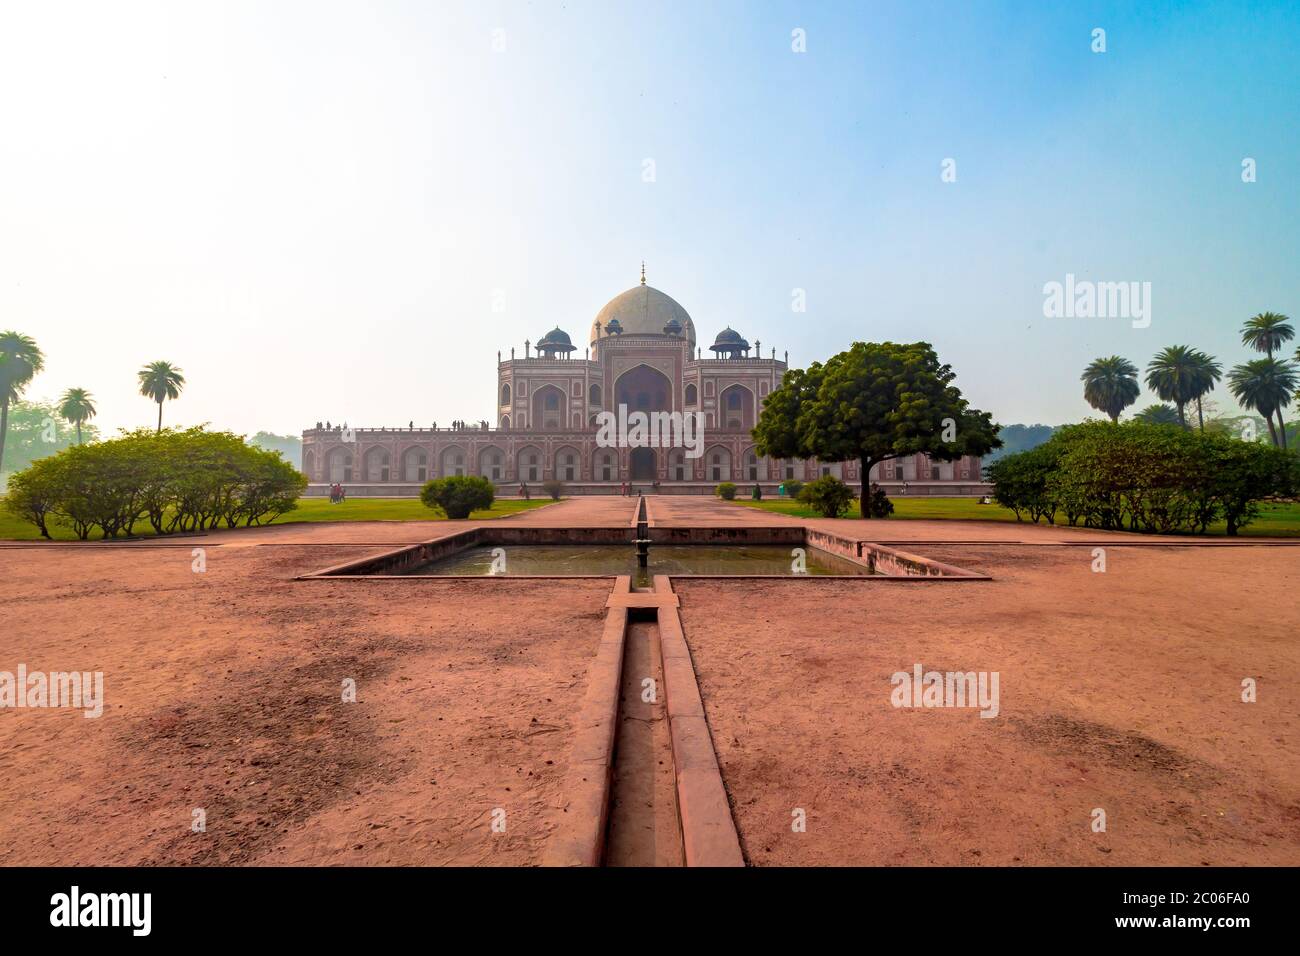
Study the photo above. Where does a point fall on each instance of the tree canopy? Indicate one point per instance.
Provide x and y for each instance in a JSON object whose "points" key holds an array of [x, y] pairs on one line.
{"points": [[874, 402]]}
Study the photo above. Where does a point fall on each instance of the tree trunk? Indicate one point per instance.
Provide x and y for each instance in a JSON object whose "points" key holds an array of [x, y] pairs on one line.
{"points": [[1182, 417], [864, 510], [4, 429], [1272, 429], [159, 416], [1281, 426], [78, 433], [1200, 418]]}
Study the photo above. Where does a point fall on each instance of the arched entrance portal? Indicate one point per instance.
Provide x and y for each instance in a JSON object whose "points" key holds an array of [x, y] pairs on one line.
{"points": [[643, 464]]}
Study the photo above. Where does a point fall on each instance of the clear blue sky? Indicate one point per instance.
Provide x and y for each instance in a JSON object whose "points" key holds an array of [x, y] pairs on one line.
{"points": [[308, 205]]}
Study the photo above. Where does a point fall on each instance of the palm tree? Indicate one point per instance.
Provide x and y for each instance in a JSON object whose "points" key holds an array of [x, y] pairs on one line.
{"points": [[77, 405], [1172, 375], [1206, 374], [20, 360], [1267, 332], [1265, 385], [1110, 385], [160, 381], [1158, 415]]}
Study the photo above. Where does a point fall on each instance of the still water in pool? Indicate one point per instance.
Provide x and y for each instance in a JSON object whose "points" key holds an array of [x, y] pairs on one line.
{"points": [[515, 560]]}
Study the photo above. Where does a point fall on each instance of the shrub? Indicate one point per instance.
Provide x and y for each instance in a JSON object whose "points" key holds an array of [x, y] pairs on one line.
{"points": [[554, 488], [793, 487], [726, 491], [828, 496], [1020, 482], [458, 495], [879, 505], [34, 493], [180, 480], [1137, 476]]}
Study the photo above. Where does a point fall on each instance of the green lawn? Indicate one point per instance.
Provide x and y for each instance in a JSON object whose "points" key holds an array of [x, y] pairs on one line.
{"points": [[309, 509], [1282, 520]]}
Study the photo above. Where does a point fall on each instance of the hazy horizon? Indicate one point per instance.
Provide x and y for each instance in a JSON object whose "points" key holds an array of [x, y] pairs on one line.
{"points": [[310, 207]]}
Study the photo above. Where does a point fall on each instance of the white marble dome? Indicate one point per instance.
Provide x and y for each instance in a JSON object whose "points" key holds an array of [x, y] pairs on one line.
{"points": [[644, 310]]}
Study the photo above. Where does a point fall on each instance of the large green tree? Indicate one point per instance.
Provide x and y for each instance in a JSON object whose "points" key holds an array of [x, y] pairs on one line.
{"points": [[160, 381], [20, 360], [1110, 385], [872, 403]]}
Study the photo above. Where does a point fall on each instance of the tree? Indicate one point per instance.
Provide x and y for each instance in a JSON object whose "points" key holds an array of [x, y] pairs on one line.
{"points": [[1266, 385], [160, 381], [874, 402], [1206, 373], [1110, 385], [1267, 332], [1020, 481], [77, 405], [34, 493], [1245, 472], [1172, 376], [20, 360], [1158, 415], [458, 495]]}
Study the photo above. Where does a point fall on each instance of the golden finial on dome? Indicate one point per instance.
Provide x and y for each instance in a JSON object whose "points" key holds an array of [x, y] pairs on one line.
{"points": [[643, 272]]}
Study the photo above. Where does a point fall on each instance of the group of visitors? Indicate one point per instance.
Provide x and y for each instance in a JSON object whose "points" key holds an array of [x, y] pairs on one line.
{"points": [[458, 425], [338, 494]]}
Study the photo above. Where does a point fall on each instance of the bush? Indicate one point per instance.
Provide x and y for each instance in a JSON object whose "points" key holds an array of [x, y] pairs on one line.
{"points": [[726, 491], [828, 496], [554, 488], [180, 480], [1155, 479], [1020, 482], [34, 493], [879, 505], [458, 495], [793, 487]]}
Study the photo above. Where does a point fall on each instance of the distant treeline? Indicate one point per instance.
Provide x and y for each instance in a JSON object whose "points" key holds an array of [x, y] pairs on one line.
{"points": [[290, 446], [1017, 438]]}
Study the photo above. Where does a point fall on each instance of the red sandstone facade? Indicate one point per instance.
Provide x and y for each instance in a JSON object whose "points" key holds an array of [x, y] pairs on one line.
{"points": [[641, 354]]}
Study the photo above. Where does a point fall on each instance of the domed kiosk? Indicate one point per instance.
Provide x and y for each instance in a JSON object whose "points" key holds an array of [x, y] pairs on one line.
{"points": [[555, 344], [729, 344]]}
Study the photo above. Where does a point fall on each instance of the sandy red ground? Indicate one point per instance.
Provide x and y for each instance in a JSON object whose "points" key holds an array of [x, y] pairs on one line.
{"points": [[224, 693], [1119, 690]]}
